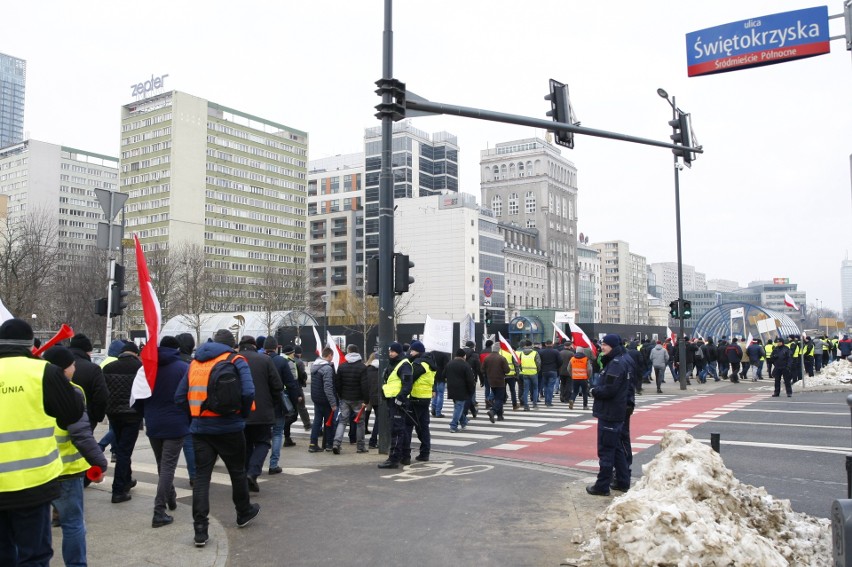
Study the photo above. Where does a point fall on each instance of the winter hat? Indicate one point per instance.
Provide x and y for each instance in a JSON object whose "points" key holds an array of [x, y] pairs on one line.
{"points": [[396, 347], [287, 349], [16, 332], [778, 339], [115, 347], [470, 344], [248, 340], [417, 346], [225, 337], [297, 350], [82, 342], [270, 343], [169, 342], [130, 346], [60, 356], [260, 341], [612, 340], [187, 343]]}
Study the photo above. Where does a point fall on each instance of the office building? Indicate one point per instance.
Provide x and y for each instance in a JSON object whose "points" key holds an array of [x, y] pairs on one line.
{"points": [[666, 278], [589, 290], [13, 82], [624, 284], [232, 184], [526, 269]]}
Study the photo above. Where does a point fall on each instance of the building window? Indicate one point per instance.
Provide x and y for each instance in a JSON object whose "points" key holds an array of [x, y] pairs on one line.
{"points": [[513, 204], [497, 205], [529, 203], [530, 223]]}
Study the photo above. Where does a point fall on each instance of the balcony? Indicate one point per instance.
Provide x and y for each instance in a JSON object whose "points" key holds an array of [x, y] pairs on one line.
{"points": [[317, 256]]}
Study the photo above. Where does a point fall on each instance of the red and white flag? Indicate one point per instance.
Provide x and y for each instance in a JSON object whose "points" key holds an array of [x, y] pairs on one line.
{"points": [[143, 384], [788, 301], [338, 357], [504, 345], [580, 339], [318, 342], [670, 334]]}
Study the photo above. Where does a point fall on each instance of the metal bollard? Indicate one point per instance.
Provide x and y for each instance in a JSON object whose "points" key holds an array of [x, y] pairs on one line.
{"points": [[841, 532], [714, 442]]}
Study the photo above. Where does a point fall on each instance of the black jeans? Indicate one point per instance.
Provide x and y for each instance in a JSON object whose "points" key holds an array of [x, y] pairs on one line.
{"points": [[25, 537], [231, 448], [258, 443], [126, 433]]}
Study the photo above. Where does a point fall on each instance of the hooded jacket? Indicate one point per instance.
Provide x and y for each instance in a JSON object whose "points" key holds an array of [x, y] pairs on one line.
{"points": [[659, 357], [187, 345], [164, 419], [90, 377], [224, 423], [322, 382], [461, 383], [350, 381], [611, 392]]}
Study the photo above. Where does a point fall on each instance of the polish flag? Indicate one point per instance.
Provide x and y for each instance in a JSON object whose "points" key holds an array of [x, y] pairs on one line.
{"points": [[788, 301], [580, 339], [504, 345], [338, 357], [143, 383], [318, 343], [670, 334]]}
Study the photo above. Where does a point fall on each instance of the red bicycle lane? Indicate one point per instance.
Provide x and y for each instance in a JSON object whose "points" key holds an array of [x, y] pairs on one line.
{"points": [[576, 445]]}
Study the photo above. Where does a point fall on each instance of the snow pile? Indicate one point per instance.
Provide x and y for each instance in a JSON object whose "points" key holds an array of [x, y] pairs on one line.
{"points": [[837, 373], [689, 510]]}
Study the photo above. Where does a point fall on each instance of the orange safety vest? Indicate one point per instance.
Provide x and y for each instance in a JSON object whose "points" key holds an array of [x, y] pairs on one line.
{"points": [[579, 368], [199, 376]]}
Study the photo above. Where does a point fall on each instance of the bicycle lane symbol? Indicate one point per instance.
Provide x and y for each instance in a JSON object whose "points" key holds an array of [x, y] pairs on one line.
{"points": [[432, 469]]}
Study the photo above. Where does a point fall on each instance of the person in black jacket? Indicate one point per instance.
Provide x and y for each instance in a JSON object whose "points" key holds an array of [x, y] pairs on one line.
{"points": [[293, 392], [187, 346], [258, 431], [123, 419], [461, 385], [722, 358], [90, 377], [782, 360], [350, 383], [441, 360]]}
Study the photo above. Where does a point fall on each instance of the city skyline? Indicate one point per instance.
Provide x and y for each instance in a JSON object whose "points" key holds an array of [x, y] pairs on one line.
{"points": [[770, 142]]}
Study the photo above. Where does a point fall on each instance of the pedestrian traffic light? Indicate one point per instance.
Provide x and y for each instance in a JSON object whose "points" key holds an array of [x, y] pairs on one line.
{"points": [[101, 307], [489, 318], [682, 136], [118, 302], [673, 310], [560, 111], [372, 284], [687, 309], [401, 268]]}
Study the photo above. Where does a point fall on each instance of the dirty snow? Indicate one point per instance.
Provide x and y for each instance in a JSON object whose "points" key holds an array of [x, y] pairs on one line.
{"points": [[688, 510], [838, 373]]}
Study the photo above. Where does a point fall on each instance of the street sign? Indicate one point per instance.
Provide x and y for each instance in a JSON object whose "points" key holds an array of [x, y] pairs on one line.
{"points": [[111, 201], [486, 302], [563, 316], [766, 40], [103, 236], [488, 288]]}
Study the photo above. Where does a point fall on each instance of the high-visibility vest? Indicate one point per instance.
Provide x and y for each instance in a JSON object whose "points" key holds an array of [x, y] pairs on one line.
{"points": [[107, 360], [511, 360], [579, 368], [29, 455], [768, 350], [72, 461], [393, 385], [423, 384], [528, 367], [199, 376]]}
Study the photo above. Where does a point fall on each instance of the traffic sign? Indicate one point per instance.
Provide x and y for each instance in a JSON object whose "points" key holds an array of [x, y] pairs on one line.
{"points": [[488, 287]]}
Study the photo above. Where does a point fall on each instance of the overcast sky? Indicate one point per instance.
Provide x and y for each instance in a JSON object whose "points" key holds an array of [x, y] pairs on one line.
{"points": [[769, 198]]}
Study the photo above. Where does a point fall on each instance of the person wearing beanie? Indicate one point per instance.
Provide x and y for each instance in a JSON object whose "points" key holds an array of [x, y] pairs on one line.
{"points": [[461, 385], [782, 359], [424, 369], [217, 436], [530, 365], [734, 356], [113, 351], [187, 345], [40, 392], [611, 394], [350, 383], [472, 358], [260, 344], [284, 419], [90, 377], [396, 386], [79, 452], [496, 368]]}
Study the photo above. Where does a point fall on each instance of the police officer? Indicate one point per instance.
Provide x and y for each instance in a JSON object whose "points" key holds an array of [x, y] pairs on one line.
{"points": [[424, 369], [781, 360], [35, 397], [396, 387]]}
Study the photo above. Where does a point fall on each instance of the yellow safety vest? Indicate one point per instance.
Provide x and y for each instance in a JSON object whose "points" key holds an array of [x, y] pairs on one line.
{"points": [[72, 461], [510, 360], [528, 367], [423, 385], [768, 350], [29, 456], [107, 360], [394, 383]]}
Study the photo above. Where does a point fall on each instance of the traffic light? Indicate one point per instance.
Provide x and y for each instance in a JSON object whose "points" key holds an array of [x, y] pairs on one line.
{"points": [[560, 111], [489, 318], [682, 135], [401, 268], [372, 284], [673, 310], [687, 309], [118, 299], [101, 307], [395, 109]]}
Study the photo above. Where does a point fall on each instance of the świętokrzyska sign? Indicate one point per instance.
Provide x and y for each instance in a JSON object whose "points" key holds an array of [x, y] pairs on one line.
{"points": [[758, 41]]}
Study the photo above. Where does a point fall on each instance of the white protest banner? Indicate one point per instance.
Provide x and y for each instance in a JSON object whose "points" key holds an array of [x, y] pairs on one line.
{"points": [[438, 335]]}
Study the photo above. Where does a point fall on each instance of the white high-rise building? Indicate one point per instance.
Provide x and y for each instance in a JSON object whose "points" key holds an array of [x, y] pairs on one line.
{"points": [[624, 284], [666, 273]]}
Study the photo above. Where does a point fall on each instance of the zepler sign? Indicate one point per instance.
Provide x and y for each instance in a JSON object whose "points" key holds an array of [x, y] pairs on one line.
{"points": [[759, 41]]}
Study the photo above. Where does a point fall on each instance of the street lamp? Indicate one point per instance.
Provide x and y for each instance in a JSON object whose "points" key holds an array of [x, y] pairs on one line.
{"points": [[677, 167], [325, 299]]}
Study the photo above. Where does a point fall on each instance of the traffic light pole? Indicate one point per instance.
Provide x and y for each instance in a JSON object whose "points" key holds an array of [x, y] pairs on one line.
{"points": [[681, 344], [386, 293], [110, 282]]}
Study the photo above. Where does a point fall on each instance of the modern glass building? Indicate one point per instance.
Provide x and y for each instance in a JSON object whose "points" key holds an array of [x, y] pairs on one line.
{"points": [[13, 80]]}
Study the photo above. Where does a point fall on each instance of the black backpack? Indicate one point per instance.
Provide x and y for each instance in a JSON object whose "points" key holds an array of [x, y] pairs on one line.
{"points": [[224, 388]]}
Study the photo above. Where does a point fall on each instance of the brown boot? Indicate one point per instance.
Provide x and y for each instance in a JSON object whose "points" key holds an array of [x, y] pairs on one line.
{"points": [[515, 407]]}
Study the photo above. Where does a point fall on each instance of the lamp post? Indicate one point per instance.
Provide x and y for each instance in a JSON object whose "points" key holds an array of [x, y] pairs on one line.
{"points": [[325, 319], [681, 345]]}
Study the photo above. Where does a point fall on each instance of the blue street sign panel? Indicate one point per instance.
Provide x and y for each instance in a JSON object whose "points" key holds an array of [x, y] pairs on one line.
{"points": [[487, 287], [758, 41]]}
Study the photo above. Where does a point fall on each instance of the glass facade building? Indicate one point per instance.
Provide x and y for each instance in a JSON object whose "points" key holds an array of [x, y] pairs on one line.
{"points": [[13, 79]]}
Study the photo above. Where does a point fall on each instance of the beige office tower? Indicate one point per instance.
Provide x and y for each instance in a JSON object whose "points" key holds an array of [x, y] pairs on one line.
{"points": [[221, 182]]}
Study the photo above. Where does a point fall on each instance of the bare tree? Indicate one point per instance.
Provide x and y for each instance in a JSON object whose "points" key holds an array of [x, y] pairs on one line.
{"points": [[28, 256], [164, 268], [357, 313], [195, 289], [279, 289], [73, 292]]}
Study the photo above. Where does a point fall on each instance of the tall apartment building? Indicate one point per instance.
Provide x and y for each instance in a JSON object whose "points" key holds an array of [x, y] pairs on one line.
{"points": [[526, 267], [589, 289], [624, 284], [423, 165], [13, 81], [528, 183], [846, 286], [336, 227], [42, 178], [666, 275], [722, 285], [235, 184]]}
